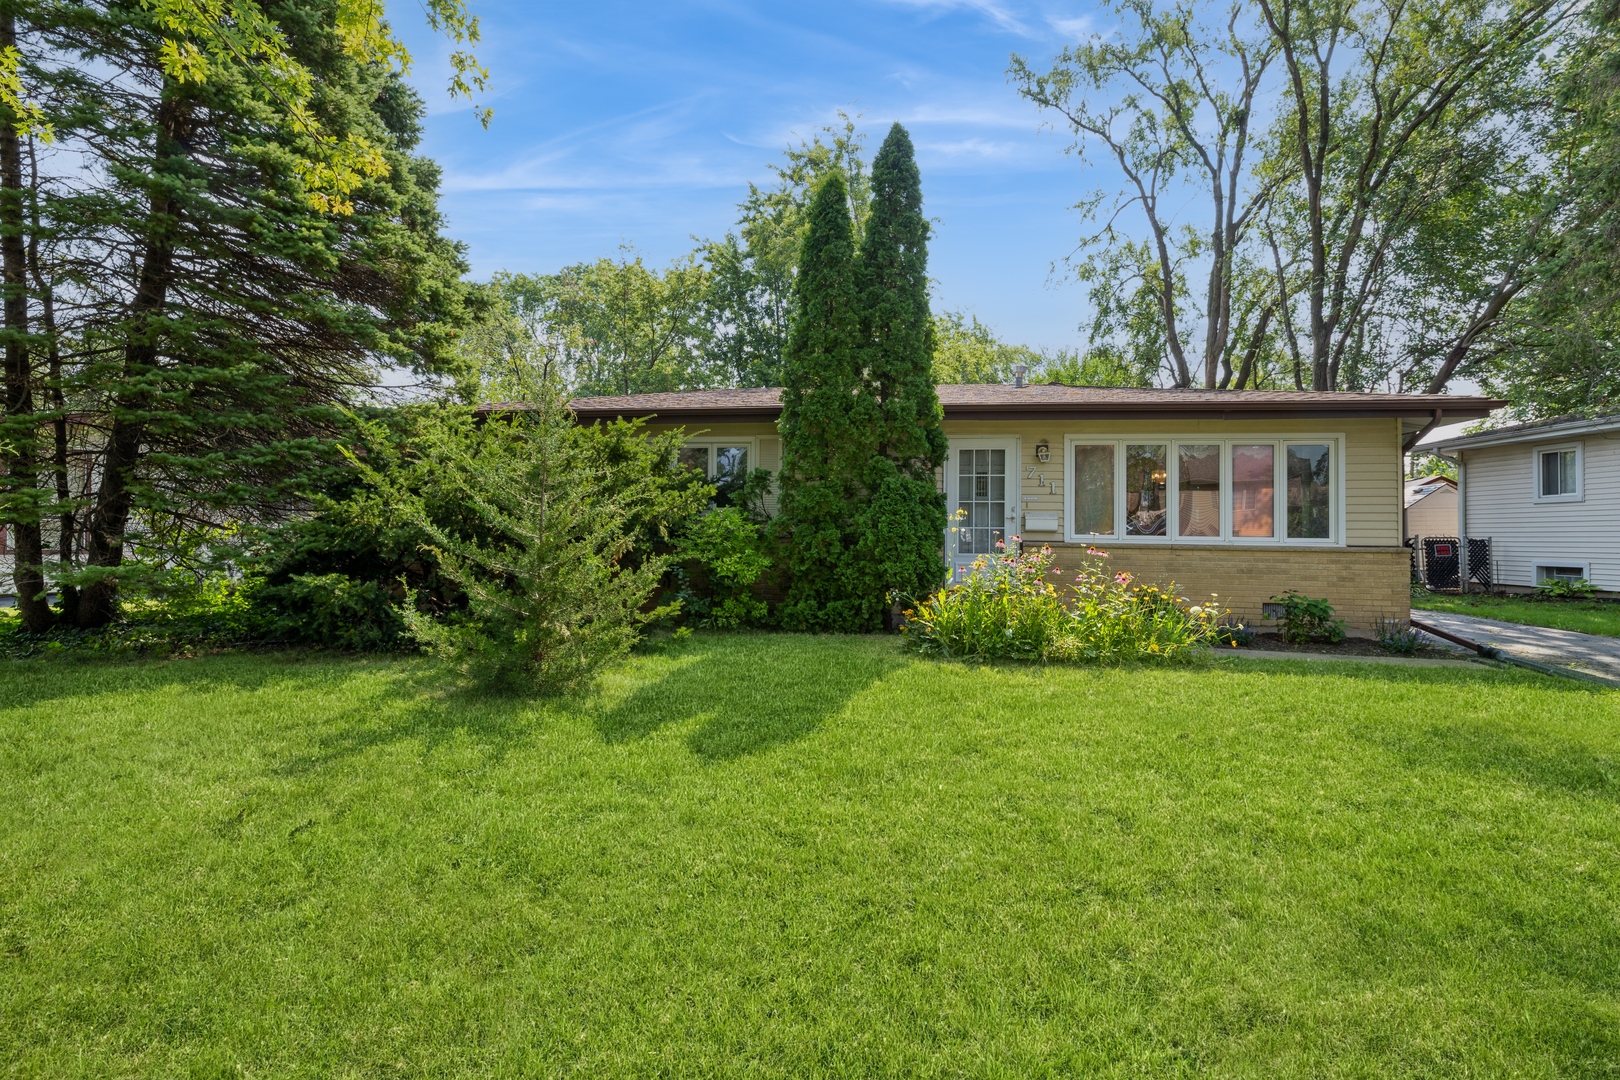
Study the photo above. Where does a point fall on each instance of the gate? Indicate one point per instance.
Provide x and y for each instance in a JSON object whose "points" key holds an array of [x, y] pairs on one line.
{"points": [[1479, 561], [1440, 563]]}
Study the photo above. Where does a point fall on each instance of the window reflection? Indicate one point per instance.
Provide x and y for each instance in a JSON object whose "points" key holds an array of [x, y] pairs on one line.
{"points": [[1094, 490], [1254, 491], [1145, 473], [1309, 476], [1198, 483]]}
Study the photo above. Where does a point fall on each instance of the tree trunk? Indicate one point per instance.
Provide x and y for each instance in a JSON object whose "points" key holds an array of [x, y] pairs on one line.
{"points": [[22, 457], [109, 514], [67, 521]]}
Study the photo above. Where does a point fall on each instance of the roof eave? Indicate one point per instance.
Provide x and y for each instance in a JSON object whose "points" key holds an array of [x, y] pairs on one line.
{"points": [[1252, 411], [1550, 433], [684, 416]]}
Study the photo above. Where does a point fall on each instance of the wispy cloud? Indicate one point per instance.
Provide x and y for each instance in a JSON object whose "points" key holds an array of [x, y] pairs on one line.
{"points": [[1072, 28], [997, 13]]}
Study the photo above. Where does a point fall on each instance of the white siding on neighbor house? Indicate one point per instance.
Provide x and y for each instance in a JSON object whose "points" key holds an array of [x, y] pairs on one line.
{"points": [[1433, 515], [1500, 498]]}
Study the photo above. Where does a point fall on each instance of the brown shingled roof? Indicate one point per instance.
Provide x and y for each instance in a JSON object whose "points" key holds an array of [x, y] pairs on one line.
{"points": [[998, 401]]}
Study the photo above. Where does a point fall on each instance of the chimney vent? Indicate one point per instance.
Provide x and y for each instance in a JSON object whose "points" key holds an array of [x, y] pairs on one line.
{"points": [[1019, 371]]}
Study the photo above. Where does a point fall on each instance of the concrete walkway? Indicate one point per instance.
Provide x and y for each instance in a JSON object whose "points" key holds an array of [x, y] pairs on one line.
{"points": [[1591, 653]]}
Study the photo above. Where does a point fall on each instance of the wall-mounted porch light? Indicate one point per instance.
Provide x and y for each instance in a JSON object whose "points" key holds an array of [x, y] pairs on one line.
{"points": [[1043, 452]]}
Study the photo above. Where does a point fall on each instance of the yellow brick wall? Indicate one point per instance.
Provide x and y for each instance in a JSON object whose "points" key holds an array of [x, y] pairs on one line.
{"points": [[1363, 584]]}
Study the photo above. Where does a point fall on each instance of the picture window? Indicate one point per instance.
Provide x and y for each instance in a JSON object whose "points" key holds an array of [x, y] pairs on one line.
{"points": [[1202, 490]]}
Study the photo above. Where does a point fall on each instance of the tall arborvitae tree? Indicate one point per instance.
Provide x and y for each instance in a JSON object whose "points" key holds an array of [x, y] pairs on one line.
{"points": [[902, 524], [829, 428]]}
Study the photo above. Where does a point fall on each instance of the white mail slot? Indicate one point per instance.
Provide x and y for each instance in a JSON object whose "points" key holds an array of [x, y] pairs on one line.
{"points": [[1041, 521]]}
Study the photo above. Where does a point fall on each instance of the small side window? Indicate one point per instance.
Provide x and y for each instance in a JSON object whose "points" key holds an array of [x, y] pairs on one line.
{"points": [[1560, 474]]}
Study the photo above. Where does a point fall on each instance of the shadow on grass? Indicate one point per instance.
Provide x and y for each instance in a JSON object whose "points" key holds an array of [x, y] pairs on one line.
{"points": [[430, 708], [26, 683], [748, 693], [1550, 764]]}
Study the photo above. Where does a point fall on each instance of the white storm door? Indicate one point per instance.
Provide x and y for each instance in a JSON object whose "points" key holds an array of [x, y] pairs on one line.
{"points": [[981, 480]]}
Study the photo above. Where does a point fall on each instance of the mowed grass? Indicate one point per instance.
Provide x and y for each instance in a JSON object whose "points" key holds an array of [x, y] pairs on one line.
{"points": [[1584, 616], [782, 856]]}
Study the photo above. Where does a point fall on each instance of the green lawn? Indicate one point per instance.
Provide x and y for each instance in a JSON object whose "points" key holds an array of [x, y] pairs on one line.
{"points": [[780, 856], [1586, 616]]}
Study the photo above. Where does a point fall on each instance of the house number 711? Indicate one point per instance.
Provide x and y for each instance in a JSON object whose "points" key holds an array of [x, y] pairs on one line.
{"points": [[1040, 479]]}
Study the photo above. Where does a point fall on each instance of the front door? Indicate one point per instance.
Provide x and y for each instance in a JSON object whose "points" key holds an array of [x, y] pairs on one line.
{"points": [[981, 491]]}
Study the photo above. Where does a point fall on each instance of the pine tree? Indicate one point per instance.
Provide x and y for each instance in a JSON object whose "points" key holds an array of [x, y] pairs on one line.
{"points": [[902, 523], [829, 428], [217, 299]]}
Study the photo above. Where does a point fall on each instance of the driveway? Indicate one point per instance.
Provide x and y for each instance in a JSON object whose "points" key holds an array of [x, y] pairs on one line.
{"points": [[1591, 653]]}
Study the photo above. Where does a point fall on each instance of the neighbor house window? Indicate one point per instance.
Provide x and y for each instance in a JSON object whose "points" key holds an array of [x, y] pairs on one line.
{"points": [[1094, 490], [1310, 477], [1204, 490], [1146, 474], [1560, 473]]}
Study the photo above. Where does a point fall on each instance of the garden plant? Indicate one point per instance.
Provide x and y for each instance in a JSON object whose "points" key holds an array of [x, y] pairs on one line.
{"points": [[1010, 607]]}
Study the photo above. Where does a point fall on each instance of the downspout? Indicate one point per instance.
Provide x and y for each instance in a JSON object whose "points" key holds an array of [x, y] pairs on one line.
{"points": [[1417, 436], [1462, 515]]}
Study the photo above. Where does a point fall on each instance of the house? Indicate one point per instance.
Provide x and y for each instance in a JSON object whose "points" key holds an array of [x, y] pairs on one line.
{"points": [[1547, 497], [1242, 493], [1431, 507]]}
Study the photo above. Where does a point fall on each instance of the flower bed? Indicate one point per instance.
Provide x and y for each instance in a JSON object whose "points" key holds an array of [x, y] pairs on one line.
{"points": [[1010, 607]]}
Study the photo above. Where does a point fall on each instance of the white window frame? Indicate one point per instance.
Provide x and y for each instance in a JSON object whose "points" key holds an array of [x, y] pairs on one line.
{"points": [[1578, 495], [750, 442], [1538, 565], [1336, 497]]}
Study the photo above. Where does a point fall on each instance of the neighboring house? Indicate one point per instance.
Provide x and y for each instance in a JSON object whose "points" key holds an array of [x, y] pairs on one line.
{"points": [[1431, 507], [1546, 495], [1242, 493]]}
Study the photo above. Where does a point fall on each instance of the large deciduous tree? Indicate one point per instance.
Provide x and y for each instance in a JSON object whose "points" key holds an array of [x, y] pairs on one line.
{"points": [[1179, 130], [1375, 189]]}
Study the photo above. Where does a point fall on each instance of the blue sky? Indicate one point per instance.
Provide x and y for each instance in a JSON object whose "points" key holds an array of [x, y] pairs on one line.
{"points": [[643, 123]]}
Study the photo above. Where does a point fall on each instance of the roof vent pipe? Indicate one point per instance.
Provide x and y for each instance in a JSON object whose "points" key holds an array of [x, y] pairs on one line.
{"points": [[1019, 371]]}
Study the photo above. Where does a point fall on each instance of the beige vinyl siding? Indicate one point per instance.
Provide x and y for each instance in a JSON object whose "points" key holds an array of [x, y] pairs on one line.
{"points": [[1371, 468], [1501, 503], [1433, 515]]}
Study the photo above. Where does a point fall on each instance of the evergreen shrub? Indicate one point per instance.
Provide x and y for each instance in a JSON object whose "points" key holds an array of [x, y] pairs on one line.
{"points": [[547, 544]]}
